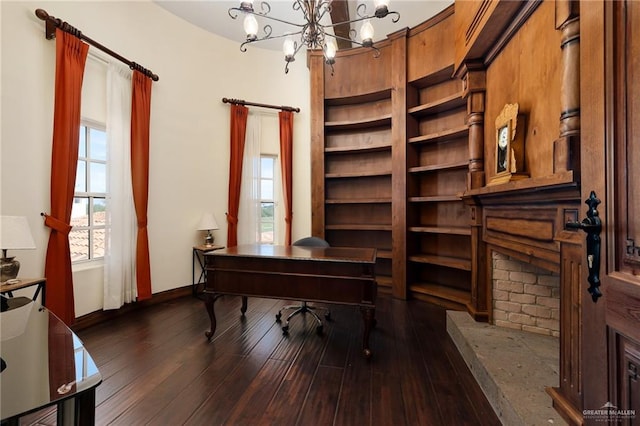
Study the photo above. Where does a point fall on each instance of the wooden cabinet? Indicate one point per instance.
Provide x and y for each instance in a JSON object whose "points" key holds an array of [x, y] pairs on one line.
{"points": [[438, 228]]}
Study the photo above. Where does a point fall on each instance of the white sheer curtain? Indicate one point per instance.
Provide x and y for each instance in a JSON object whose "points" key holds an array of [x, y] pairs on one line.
{"points": [[119, 260], [249, 210]]}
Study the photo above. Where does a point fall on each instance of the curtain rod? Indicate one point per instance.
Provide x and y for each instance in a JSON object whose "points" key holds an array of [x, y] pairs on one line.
{"points": [[50, 32], [242, 102]]}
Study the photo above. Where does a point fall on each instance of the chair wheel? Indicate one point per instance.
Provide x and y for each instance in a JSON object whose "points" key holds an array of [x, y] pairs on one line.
{"points": [[285, 330], [278, 316], [319, 330]]}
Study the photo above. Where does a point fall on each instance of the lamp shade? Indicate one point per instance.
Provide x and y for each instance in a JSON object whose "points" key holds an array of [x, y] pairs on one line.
{"points": [[207, 222], [15, 233]]}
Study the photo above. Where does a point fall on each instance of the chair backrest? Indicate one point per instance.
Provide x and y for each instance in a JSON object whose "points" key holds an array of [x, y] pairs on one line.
{"points": [[311, 242]]}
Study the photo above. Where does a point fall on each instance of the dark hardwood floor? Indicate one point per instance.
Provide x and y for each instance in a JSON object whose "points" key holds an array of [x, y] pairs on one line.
{"points": [[159, 369]]}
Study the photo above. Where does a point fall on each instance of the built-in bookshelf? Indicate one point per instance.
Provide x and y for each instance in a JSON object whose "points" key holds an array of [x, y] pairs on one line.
{"points": [[357, 175], [438, 229]]}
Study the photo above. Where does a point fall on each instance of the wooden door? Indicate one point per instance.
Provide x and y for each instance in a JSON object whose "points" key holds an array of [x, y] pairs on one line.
{"points": [[610, 166]]}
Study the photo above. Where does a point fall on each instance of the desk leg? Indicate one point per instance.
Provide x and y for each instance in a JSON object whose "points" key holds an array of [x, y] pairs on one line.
{"points": [[368, 315], [243, 308], [209, 300]]}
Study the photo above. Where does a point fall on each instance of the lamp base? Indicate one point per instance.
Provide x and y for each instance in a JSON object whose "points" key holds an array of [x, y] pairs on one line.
{"points": [[208, 241], [9, 268]]}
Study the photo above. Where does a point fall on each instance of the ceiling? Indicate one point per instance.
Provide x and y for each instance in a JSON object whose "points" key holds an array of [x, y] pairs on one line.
{"points": [[213, 16]]}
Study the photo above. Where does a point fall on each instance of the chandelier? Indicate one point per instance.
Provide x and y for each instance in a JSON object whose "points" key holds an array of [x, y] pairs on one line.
{"points": [[311, 33]]}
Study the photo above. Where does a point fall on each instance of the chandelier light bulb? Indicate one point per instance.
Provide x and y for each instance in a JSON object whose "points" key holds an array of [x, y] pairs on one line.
{"points": [[382, 8], [251, 27], [289, 49], [330, 51], [366, 33]]}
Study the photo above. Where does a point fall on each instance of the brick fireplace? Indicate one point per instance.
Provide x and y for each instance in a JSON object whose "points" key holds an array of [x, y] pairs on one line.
{"points": [[525, 297]]}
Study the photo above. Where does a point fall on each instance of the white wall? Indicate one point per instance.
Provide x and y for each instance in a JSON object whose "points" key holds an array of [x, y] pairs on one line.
{"points": [[189, 151]]}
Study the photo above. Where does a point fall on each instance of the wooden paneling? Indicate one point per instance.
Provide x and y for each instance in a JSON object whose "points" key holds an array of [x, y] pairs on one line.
{"points": [[425, 44], [349, 78], [527, 72]]}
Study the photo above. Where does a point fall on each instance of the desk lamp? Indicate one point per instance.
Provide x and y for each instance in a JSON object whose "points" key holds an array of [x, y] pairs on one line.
{"points": [[208, 223], [14, 235]]}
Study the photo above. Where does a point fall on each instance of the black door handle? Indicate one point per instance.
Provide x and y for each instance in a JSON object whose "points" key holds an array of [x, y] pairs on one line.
{"points": [[592, 225]]}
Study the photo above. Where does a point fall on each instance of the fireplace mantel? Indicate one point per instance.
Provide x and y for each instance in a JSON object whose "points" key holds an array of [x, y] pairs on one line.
{"points": [[526, 219]]}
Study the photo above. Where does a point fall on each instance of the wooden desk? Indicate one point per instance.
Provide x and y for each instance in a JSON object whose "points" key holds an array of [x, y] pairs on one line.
{"points": [[24, 283], [314, 274]]}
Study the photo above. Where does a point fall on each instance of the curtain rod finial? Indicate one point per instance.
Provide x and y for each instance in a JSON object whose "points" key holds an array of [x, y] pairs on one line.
{"points": [[42, 14]]}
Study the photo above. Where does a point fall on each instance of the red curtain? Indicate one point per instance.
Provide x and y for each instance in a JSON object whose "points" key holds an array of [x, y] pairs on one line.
{"points": [[239, 115], [286, 164], [140, 115], [71, 55]]}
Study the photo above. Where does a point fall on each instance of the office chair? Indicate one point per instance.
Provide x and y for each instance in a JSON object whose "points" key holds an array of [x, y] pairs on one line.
{"points": [[304, 307]]}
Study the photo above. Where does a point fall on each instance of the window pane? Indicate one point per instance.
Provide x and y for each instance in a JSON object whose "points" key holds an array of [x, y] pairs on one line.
{"points": [[81, 177], [80, 211], [98, 144], [99, 211], [79, 244], [266, 167], [82, 149], [267, 211], [98, 179], [266, 189], [98, 242], [266, 232]]}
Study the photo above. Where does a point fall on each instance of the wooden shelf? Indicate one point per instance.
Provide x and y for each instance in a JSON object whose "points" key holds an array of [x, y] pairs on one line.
{"points": [[359, 99], [364, 124], [358, 201], [451, 230], [443, 136], [436, 77], [449, 262], [384, 281], [435, 167], [441, 105], [435, 199], [451, 294], [384, 254], [357, 149], [367, 173], [359, 227]]}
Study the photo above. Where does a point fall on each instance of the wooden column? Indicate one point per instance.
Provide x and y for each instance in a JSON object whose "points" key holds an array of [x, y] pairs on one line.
{"points": [[399, 162], [315, 63], [473, 78], [566, 149]]}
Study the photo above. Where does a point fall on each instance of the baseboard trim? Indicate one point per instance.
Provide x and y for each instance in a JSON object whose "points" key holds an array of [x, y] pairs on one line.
{"points": [[98, 317]]}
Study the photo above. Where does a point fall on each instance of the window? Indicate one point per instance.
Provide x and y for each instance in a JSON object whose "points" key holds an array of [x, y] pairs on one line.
{"points": [[88, 214], [267, 226]]}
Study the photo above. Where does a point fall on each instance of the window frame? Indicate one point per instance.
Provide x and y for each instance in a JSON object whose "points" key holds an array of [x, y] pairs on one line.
{"points": [[86, 126], [262, 200]]}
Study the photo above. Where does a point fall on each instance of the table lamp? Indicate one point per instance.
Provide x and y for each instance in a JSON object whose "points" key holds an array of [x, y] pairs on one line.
{"points": [[208, 223], [15, 234]]}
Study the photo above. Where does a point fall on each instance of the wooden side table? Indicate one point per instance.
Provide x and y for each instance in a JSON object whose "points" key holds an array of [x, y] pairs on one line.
{"points": [[198, 259], [8, 289]]}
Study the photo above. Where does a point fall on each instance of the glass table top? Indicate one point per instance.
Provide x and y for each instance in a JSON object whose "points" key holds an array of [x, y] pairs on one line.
{"points": [[42, 361]]}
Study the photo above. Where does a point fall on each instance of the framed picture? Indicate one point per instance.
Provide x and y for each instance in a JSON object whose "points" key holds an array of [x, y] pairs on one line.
{"points": [[509, 146]]}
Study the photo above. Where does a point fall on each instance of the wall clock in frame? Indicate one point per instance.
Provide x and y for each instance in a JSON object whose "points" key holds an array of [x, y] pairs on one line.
{"points": [[508, 162]]}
